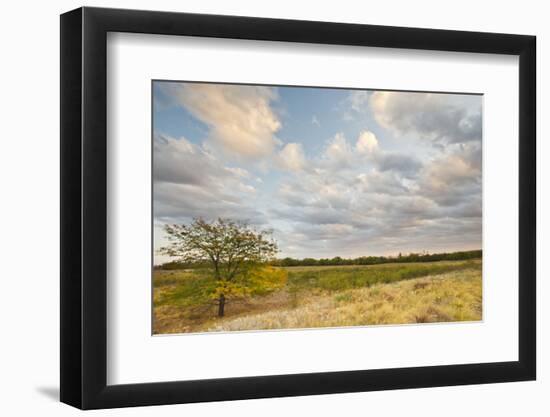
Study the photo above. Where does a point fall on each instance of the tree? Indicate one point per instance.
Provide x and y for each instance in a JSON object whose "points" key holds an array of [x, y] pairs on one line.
{"points": [[235, 253]]}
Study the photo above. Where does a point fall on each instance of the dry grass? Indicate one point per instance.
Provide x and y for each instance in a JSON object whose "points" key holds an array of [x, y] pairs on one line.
{"points": [[330, 297], [454, 296], [181, 319]]}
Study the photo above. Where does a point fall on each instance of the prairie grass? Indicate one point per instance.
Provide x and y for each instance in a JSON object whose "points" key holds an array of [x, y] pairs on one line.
{"points": [[331, 297], [344, 278], [454, 296]]}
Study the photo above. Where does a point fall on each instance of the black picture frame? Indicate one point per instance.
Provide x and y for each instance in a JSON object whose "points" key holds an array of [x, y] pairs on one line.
{"points": [[84, 207]]}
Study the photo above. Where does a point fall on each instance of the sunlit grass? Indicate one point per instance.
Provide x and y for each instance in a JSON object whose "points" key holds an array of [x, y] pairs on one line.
{"points": [[330, 297], [454, 296]]}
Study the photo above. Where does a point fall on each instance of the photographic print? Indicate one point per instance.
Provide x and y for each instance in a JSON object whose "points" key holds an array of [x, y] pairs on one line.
{"points": [[289, 207]]}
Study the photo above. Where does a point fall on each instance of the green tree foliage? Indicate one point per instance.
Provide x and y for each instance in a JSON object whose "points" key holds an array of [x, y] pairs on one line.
{"points": [[233, 255]]}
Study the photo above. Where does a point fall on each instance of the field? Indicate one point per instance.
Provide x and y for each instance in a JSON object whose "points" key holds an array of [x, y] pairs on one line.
{"points": [[328, 296]]}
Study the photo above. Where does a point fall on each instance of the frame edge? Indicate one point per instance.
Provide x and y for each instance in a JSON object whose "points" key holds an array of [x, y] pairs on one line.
{"points": [[527, 136], [70, 213]]}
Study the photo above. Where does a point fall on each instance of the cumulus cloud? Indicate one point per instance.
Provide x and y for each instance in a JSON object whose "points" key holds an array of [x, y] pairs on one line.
{"points": [[292, 194], [406, 165], [291, 157], [454, 176], [439, 117], [179, 203], [179, 161], [366, 143], [380, 182], [356, 193], [338, 152], [451, 169], [190, 182], [240, 118], [392, 199]]}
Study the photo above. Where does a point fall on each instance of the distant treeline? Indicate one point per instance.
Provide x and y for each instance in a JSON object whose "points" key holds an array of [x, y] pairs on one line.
{"points": [[373, 260], [363, 260]]}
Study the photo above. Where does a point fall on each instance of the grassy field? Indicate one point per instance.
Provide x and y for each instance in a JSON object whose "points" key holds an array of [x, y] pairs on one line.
{"points": [[329, 296]]}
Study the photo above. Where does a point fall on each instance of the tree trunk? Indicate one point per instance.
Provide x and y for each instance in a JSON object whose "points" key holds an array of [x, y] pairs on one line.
{"points": [[221, 305]]}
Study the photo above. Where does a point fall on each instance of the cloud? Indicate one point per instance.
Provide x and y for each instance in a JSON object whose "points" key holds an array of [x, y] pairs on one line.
{"points": [[366, 143], [457, 167], [359, 100], [381, 183], [406, 165], [179, 161], [356, 103], [326, 231], [190, 182], [291, 157], [292, 194], [314, 191], [438, 117], [453, 177], [359, 193], [315, 121], [179, 203], [309, 215], [240, 118], [386, 197], [338, 153], [239, 172]]}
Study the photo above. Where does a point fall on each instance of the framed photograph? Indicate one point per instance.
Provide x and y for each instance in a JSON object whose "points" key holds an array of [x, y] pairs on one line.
{"points": [[258, 208]]}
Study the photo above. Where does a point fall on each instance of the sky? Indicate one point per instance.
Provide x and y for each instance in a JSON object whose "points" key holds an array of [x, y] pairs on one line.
{"points": [[333, 172]]}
